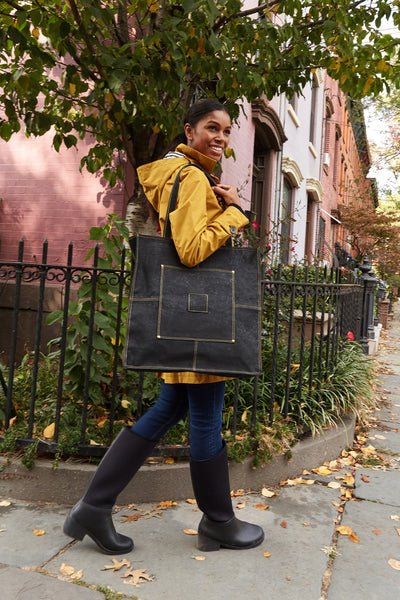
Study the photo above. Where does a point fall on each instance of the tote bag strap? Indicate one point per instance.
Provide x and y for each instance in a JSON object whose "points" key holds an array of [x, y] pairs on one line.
{"points": [[174, 196]]}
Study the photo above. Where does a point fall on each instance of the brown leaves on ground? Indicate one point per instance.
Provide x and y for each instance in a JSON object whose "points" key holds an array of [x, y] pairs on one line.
{"points": [[70, 572], [395, 564], [154, 511], [130, 518], [133, 576], [190, 531], [346, 530], [117, 565], [137, 577], [268, 493]]}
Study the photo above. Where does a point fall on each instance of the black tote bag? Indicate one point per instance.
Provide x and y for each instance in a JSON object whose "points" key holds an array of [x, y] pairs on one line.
{"points": [[205, 319]]}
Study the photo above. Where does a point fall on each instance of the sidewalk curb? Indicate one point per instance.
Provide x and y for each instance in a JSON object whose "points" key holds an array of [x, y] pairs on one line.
{"points": [[66, 483]]}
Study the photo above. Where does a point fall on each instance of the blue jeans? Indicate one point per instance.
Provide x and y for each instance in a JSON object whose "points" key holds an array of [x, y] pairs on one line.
{"points": [[203, 401]]}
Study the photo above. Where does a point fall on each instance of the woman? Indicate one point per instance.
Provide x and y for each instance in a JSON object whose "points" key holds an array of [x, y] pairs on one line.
{"points": [[199, 225]]}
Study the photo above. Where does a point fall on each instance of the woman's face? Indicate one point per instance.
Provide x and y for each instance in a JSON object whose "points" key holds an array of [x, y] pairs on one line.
{"points": [[210, 135]]}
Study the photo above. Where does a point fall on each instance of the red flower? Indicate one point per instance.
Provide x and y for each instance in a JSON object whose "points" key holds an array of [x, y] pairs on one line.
{"points": [[350, 335], [255, 225]]}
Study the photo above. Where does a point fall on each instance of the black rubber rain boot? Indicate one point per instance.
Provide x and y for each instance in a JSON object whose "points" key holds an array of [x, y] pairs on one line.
{"points": [[92, 514], [219, 527]]}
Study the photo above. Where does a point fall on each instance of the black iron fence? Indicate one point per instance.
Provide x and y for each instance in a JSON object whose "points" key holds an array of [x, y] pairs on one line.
{"points": [[61, 374]]}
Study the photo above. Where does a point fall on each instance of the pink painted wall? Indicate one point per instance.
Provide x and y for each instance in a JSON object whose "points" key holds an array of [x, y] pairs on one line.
{"points": [[330, 174], [43, 195], [238, 171]]}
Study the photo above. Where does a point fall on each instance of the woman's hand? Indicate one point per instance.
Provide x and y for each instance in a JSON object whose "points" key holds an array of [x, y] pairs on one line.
{"points": [[228, 193]]}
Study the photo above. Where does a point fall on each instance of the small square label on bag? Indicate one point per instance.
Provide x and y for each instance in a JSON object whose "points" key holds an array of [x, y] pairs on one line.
{"points": [[198, 303]]}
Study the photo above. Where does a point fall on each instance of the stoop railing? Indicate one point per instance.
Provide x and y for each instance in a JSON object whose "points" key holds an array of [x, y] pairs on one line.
{"points": [[307, 312]]}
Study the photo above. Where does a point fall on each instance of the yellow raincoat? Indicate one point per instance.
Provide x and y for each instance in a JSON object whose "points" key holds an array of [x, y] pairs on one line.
{"points": [[199, 225]]}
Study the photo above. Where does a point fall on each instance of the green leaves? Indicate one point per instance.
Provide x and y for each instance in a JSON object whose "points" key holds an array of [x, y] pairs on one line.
{"points": [[126, 74]]}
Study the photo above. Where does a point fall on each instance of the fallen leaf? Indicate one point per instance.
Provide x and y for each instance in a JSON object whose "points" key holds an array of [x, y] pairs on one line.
{"points": [[398, 530], [38, 532], [305, 524], [334, 485], [284, 524], [1, 530], [117, 565], [365, 478], [66, 570], [167, 504], [344, 530], [300, 480], [136, 577], [267, 493], [267, 554], [130, 518], [377, 531], [77, 575], [368, 450], [5, 503], [349, 480], [322, 471], [191, 501], [199, 557], [241, 505], [354, 538], [48, 432], [261, 506], [395, 517], [190, 531], [380, 437], [169, 461], [395, 564], [350, 460]]}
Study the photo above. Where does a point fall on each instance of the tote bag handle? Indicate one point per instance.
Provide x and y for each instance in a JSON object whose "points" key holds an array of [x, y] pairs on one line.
{"points": [[174, 196]]}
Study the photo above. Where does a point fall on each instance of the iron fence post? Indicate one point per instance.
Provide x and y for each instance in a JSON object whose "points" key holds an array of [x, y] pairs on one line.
{"points": [[369, 281]]}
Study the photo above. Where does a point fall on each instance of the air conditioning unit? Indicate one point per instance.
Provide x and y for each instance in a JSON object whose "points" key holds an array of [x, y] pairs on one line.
{"points": [[326, 159]]}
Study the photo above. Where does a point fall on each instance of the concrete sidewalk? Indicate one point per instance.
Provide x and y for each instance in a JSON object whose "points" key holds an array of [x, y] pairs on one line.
{"points": [[303, 556]]}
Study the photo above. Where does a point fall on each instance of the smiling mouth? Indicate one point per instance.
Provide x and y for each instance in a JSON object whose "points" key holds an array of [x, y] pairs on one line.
{"points": [[217, 148]]}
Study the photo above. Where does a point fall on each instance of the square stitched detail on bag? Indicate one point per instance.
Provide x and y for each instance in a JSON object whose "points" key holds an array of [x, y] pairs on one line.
{"points": [[196, 304]]}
